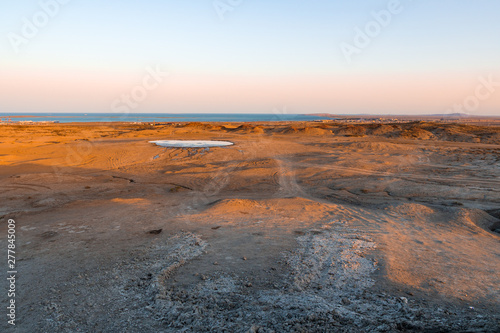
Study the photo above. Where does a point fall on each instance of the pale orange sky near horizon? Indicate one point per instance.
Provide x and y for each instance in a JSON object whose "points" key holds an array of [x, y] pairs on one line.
{"points": [[94, 91]]}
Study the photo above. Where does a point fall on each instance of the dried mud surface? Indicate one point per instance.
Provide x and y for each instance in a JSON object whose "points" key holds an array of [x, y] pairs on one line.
{"points": [[298, 227]]}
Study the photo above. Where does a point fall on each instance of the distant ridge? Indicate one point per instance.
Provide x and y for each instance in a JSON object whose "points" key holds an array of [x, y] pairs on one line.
{"points": [[442, 115], [451, 115]]}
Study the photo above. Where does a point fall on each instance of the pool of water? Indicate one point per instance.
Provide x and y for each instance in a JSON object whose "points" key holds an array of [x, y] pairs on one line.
{"points": [[191, 144]]}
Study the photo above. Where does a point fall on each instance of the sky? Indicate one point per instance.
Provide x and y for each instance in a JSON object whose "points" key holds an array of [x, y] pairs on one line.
{"points": [[255, 56]]}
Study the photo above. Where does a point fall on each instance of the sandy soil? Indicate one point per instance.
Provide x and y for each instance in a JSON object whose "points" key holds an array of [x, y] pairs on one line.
{"points": [[299, 227]]}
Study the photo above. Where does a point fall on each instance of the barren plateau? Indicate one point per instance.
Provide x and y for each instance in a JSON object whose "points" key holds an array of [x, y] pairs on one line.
{"points": [[297, 227]]}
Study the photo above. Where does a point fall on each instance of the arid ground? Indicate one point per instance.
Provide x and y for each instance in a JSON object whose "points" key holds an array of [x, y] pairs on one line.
{"points": [[297, 227]]}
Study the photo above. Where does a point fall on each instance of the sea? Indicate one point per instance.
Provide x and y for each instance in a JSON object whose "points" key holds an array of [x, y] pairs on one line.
{"points": [[155, 117]]}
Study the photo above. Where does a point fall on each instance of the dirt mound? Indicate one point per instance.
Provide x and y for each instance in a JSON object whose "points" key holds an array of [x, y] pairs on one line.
{"points": [[351, 130], [245, 128], [231, 205], [315, 131], [456, 136], [202, 126], [422, 130], [307, 130], [491, 138], [417, 133], [382, 129], [302, 130], [299, 204], [290, 211], [135, 201], [463, 133], [291, 130], [258, 130], [480, 218], [413, 210], [195, 125]]}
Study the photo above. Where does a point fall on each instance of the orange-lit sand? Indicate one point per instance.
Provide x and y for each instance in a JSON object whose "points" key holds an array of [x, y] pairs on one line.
{"points": [[297, 227]]}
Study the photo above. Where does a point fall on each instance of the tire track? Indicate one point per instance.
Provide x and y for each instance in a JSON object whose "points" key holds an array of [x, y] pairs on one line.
{"points": [[492, 185]]}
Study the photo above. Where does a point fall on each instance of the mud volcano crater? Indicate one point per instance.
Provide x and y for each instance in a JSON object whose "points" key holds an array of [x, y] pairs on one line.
{"points": [[191, 143]]}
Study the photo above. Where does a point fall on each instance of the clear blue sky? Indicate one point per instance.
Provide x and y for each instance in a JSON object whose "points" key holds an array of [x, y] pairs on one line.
{"points": [[258, 42]]}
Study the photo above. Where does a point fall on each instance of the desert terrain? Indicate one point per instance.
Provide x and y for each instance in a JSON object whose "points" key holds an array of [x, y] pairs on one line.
{"points": [[297, 227]]}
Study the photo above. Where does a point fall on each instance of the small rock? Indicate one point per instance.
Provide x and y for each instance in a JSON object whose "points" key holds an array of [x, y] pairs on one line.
{"points": [[244, 258], [253, 329], [404, 300], [155, 232], [248, 284], [49, 234], [216, 263]]}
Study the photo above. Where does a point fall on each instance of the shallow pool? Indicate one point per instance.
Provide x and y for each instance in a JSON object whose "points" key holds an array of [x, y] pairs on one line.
{"points": [[191, 144]]}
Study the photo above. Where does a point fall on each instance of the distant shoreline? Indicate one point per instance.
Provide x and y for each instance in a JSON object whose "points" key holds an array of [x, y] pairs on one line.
{"points": [[234, 119], [158, 117], [347, 123]]}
